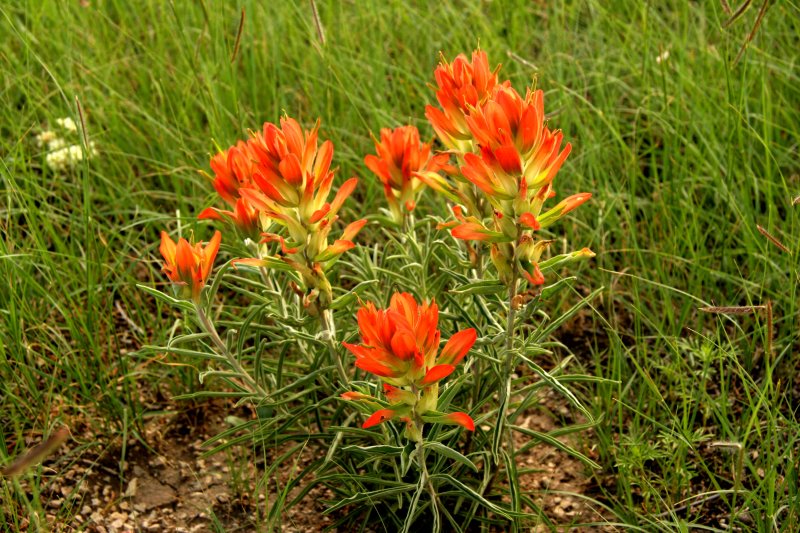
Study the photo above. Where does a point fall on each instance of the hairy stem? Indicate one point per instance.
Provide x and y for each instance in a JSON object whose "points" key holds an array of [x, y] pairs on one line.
{"points": [[249, 383], [329, 334], [505, 389], [508, 368], [425, 479], [505, 386]]}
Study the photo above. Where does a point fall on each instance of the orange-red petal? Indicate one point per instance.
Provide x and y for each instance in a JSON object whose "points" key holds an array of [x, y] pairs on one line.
{"points": [[437, 373], [378, 417], [461, 419], [457, 347], [355, 396]]}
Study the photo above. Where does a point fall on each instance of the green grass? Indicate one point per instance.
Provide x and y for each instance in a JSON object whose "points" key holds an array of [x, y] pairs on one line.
{"points": [[684, 158]]}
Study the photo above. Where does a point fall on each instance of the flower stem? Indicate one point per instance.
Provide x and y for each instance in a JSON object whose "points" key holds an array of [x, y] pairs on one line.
{"points": [[512, 313], [505, 386], [249, 383], [425, 480], [329, 334]]}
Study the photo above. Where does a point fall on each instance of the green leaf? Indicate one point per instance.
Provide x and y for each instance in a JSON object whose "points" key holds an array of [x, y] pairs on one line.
{"points": [[556, 287], [220, 374], [552, 441], [175, 302], [474, 495], [266, 262], [412, 511], [557, 385], [382, 220], [346, 299], [405, 459], [375, 495], [455, 275], [181, 351], [450, 453], [555, 324], [215, 283], [513, 485], [337, 440], [560, 260], [213, 394], [491, 286], [377, 450]]}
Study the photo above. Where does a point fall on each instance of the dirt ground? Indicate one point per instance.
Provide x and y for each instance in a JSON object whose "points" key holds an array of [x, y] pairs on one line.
{"points": [[169, 486]]}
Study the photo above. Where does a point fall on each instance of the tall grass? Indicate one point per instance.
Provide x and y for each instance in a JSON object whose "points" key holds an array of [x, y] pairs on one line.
{"points": [[685, 156]]}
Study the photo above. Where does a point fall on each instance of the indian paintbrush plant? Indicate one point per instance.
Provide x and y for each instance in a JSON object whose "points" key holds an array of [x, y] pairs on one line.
{"points": [[286, 352], [516, 162]]}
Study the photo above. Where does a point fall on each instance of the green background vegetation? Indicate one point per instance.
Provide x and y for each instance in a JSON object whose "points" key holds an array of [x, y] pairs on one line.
{"points": [[684, 158]]}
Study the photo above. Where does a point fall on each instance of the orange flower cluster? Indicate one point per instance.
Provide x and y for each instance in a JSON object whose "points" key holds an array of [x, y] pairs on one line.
{"points": [[509, 154], [233, 170], [278, 178], [400, 161], [462, 85], [281, 178], [187, 264], [400, 345]]}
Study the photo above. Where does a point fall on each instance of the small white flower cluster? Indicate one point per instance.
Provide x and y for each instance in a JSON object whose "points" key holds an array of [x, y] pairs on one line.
{"points": [[67, 123], [67, 156], [60, 155]]}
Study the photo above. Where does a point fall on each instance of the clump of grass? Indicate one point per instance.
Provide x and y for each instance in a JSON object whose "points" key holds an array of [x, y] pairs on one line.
{"points": [[685, 156]]}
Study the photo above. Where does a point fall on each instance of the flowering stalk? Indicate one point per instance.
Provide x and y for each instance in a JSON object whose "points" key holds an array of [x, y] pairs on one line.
{"points": [[277, 183], [189, 266], [518, 161], [281, 177], [508, 157], [511, 158], [401, 158], [400, 345]]}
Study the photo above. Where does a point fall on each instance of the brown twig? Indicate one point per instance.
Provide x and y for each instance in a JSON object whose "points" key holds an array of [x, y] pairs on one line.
{"points": [[738, 13], [317, 21], [761, 12], [733, 309], [133, 325], [38, 453], [238, 38]]}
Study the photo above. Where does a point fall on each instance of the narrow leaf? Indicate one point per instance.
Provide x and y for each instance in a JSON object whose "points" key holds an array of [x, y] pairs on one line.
{"points": [[552, 441], [450, 453], [492, 286], [182, 304]]}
